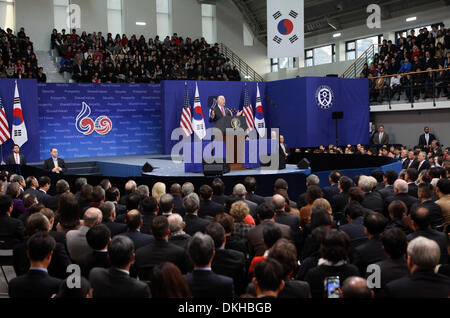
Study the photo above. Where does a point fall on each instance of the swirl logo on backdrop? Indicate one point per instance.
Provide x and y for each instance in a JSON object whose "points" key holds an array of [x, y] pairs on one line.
{"points": [[86, 125], [324, 97]]}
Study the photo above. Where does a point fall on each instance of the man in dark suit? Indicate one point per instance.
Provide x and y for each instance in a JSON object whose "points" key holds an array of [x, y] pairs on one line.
{"points": [[411, 162], [423, 256], [400, 193], [281, 217], [98, 238], [227, 262], [355, 226], [394, 266], [194, 223], [203, 281], [32, 186], [175, 191], [250, 187], [208, 208], [61, 187], [266, 214], [55, 164], [423, 161], [12, 230], [311, 180], [373, 131], [340, 200], [159, 250], [116, 282], [381, 137], [109, 215], [284, 152], [372, 199], [113, 195], [332, 189], [426, 138], [425, 194], [421, 220], [177, 234], [389, 178], [16, 158], [268, 281], [36, 283], [371, 251], [44, 186], [220, 110], [218, 191], [134, 223]]}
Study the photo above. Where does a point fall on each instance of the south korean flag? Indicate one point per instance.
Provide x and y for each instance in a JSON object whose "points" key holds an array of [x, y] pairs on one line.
{"points": [[285, 28]]}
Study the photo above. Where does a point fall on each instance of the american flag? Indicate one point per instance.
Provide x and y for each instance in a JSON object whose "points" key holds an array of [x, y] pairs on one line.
{"points": [[186, 117], [248, 111], [4, 128]]}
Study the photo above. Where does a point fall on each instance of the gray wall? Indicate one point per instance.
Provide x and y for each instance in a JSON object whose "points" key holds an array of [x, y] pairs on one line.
{"points": [[406, 127], [93, 15], [139, 11], [187, 18], [37, 18]]}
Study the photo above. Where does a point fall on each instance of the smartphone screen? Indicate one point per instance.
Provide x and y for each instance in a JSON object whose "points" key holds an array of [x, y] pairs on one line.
{"points": [[332, 284]]}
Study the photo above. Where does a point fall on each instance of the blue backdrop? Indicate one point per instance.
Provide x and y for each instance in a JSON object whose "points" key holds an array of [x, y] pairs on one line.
{"points": [[28, 98], [305, 124], [134, 110]]}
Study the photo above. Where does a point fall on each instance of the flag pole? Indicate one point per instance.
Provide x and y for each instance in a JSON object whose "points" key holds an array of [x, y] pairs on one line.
{"points": [[1, 150]]}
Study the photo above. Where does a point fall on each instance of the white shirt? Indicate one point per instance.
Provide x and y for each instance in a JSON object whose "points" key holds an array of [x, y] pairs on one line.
{"points": [[282, 147], [427, 138], [17, 158], [380, 136]]}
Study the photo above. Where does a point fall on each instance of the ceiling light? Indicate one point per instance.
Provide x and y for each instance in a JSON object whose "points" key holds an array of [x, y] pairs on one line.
{"points": [[411, 19], [141, 23], [336, 35]]}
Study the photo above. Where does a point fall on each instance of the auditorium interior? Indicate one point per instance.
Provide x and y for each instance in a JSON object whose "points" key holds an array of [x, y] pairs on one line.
{"points": [[224, 149]]}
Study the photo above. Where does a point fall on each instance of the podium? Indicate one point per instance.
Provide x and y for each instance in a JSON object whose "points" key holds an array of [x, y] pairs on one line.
{"points": [[235, 145]]}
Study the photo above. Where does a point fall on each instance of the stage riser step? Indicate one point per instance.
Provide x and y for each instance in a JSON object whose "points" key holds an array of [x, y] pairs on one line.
{"points": [[81, 164], [83, 170]]}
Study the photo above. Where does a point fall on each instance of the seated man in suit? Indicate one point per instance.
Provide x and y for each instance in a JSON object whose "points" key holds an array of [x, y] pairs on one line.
{"points": [[166, 204], [240, 194], [356, 287], [37, 283], [381, 137], [32, 185], [281, 217], [250, 187], [12, 230], [420, 223], [372, 199], [191, 205], [268, 281], [113, 195], [371, 251], [265, 214], [116, 282], [332, 189], [109, 216], [76, 241], [425, 194], [394, 266], [411, 162], [426, 138], [355, 228], [55, 164], [134, 223], [389, 178], [159, 250], [203, 281], [218, 191], [423, 256], [423, 161], [208, 208], [227, 262], [400, 193], [16, 158], [44, 186], [98, 238], [177, 234]]}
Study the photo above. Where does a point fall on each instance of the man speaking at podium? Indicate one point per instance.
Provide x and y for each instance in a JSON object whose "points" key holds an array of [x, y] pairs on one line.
{"points": [[220, 110]]}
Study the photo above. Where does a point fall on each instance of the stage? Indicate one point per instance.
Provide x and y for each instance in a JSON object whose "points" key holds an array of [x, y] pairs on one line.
{"points": [[168, 171]]}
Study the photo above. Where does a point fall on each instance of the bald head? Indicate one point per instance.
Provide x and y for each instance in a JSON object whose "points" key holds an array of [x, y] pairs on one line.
{"points": [[400, 186], [278, 202], [356, 287], [134, 220], [92, 216]]}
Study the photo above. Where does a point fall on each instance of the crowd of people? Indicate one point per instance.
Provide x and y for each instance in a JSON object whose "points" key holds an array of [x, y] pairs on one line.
{"points": [[184, 242], [17, 57], [428, 53], [92, 58]]}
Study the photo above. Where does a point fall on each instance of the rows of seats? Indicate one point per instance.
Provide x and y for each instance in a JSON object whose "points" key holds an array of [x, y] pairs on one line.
{"points": [[92, 58]]}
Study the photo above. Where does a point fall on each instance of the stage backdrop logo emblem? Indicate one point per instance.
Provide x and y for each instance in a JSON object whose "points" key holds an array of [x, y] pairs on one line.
{"points": [[324, 97], [86, 125]]}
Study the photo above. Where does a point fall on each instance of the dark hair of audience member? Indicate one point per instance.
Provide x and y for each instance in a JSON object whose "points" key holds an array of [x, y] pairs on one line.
{"points": [[68, 212], [271, 234], [226, 221], [312, 193], [98, 237], [335, 246], [168, 282], [320, 217], [160, 227], [286, 254], [84, 291], [269, 274], [394, 243], [375, 223]]}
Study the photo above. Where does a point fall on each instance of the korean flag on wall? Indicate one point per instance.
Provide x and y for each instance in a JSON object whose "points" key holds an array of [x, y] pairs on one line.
{"points": [[285, 28]]}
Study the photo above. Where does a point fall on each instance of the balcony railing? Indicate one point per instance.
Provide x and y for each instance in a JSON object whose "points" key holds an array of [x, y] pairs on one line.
{"points": [[433, 85], [357, 66], [247, 73]]}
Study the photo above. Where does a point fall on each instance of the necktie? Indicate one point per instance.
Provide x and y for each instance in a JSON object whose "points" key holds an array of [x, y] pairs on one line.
{"points": [[410, 162], [17, 159], [381, 137], [56, 164], [223, 111]]}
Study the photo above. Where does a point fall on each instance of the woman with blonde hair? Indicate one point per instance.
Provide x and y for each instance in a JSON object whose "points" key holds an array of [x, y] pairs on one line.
{"points": [[242, 220], [322, 203], [158, 190]]}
